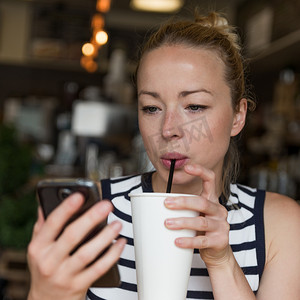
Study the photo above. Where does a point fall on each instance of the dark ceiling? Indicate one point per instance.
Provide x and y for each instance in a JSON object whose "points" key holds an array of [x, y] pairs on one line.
{"points": [[122, 16], [70, 21]]}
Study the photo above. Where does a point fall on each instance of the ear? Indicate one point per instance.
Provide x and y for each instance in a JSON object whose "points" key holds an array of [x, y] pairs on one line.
{"points": [[239, 118]]}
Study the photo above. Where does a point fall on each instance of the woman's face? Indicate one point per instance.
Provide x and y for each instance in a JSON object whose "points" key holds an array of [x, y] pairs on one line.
{"points": [[185, 111]]}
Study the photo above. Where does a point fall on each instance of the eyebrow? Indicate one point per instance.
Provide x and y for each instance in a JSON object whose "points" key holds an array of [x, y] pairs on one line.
{"points": [[187, 93], [181, 94], [153, 94]]}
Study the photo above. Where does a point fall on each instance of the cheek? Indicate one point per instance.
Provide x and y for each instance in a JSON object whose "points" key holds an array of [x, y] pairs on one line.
{"points": [[213, 136], [149, 134], [223, 128], [221, 137], [146, 128]]}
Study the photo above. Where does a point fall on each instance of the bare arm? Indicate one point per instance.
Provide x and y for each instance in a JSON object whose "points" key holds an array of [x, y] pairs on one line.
{"points": [[280, 279], [229, 282], [281, 275]]}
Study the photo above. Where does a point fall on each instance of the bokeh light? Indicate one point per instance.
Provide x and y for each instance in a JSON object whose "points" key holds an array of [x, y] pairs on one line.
{"points": [[88, 49], [101, 37]]}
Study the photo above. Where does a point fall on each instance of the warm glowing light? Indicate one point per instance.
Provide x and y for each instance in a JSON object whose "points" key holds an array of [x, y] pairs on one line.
{"points": [[103, 6], [83, 61], [88, 64], [101, 37], [91, 66], [157, 5], [98, 21], [88, 49]]}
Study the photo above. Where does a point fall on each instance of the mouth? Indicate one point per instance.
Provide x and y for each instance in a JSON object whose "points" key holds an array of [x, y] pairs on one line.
{"points": [[180, 160]]}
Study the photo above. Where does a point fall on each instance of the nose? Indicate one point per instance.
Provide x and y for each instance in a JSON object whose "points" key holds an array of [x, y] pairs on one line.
{"points": [[171, 126]]}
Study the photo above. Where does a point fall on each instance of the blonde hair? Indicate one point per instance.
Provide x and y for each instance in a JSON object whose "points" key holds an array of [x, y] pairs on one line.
{"points": [[211, 32]]}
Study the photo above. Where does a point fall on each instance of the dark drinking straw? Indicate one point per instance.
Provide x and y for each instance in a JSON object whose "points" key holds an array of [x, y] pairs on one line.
{"points": [[169, 186]]}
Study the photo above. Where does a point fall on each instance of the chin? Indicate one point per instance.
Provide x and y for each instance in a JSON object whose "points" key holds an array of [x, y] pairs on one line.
{"points": [[182, 178]]}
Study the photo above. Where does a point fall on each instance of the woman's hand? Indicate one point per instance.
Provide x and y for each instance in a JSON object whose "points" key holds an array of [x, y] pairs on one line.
{"points": [[212, 228], [55, 274]]}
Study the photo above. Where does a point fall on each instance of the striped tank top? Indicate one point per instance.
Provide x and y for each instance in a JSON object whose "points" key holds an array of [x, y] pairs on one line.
{"points": [[246, 237]]}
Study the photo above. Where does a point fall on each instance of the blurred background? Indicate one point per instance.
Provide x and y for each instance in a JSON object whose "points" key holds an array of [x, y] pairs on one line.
{"points": [[68, 104]]}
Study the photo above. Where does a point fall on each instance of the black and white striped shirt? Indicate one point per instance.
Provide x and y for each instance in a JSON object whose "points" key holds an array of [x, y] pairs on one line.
{"points": [[246, 237]]}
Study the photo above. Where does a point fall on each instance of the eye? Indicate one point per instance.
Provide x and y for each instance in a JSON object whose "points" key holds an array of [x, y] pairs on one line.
{"points": [[196, 107], [150, 109]]}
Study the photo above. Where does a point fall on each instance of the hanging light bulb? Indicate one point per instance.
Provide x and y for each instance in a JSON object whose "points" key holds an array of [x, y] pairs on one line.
{"points": [[91, 66], [97, 21], [88, 64], [103, 6], [101, 37], [157, 5], [88, 49]]}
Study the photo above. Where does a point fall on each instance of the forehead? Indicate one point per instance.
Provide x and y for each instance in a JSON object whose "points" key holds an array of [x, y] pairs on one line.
{"points": [[181, 62]]}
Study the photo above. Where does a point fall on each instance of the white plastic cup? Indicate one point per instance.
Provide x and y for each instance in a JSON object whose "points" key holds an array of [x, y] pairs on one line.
{"points": [[163, 269]]}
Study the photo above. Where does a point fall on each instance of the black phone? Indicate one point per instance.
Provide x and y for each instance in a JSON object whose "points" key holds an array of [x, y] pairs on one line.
{"points": [[52, 192]]}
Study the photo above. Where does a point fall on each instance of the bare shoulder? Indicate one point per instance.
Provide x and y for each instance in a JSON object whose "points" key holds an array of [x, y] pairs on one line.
{"points": [[280, 207], [281, 274], [282, 222]]}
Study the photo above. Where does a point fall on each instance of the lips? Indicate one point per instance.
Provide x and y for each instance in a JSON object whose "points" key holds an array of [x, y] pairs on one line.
{"points": [[181, 160]]}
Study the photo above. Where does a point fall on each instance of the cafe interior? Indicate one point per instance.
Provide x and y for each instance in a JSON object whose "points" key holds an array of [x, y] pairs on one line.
{"points": [[68, 106]]}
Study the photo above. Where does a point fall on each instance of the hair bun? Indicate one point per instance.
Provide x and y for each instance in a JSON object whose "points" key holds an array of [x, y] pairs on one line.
{"points": [[219, 23]]}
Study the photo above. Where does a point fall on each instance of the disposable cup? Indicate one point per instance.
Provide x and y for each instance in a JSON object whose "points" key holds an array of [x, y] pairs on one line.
{"points": [[163, 269]]}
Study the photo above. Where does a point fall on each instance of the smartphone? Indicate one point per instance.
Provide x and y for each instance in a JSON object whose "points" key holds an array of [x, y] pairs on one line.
{"points": [[52, 192]]}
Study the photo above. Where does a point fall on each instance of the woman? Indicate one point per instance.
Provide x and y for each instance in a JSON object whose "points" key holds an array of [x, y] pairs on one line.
{"points": [[192, 103]]}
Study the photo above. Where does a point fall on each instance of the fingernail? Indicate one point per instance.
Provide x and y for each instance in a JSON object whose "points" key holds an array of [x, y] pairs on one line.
{"points": [[169, 222], [121, 242], [179, 241], [116, 225], [169, 202], [103, 207], [75, 198], [190, 167]]}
